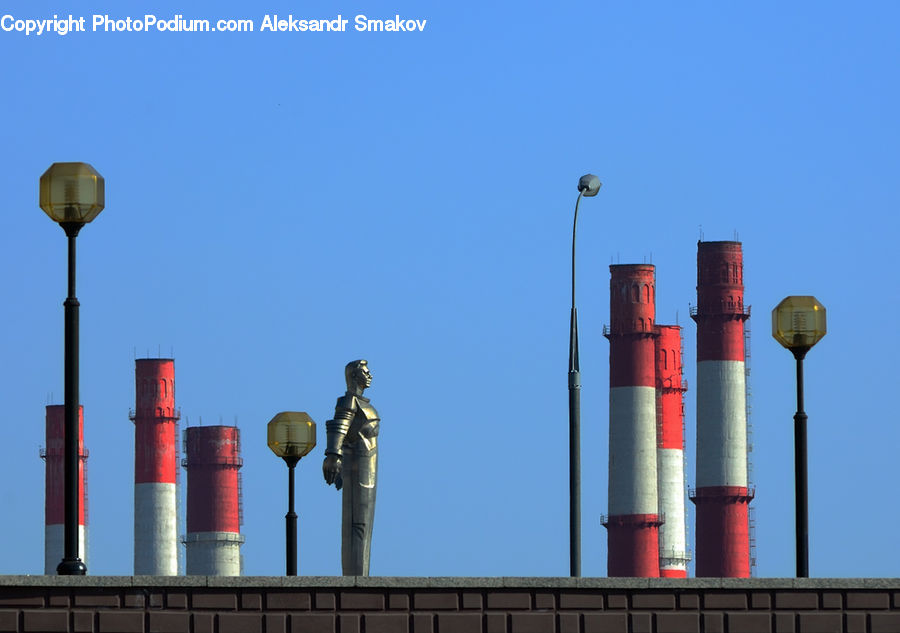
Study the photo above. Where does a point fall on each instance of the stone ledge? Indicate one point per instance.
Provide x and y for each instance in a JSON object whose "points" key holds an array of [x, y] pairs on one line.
{"points": [[451, 582]]}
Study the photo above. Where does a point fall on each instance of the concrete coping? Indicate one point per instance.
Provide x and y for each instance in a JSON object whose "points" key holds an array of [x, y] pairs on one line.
{"points": [[450, 582]]}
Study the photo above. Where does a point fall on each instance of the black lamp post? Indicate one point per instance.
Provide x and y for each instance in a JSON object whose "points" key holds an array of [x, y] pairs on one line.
{"points": [[72, 194], [291, 435], [290, 521], [588, 185], [798, 323]]}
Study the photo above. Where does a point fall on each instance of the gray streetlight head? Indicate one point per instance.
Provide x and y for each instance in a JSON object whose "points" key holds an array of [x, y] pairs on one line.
{"points": [[589, 185]]}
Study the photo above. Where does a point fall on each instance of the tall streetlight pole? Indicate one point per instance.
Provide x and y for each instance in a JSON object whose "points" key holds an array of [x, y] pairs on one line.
{"points": [[72, 194], [798, 323], [588, 185], [291, 435], [290, 522], [801, 484]]}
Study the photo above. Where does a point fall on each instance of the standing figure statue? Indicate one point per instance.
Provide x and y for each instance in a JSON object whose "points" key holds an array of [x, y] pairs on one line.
{"points": [[350, 463]]}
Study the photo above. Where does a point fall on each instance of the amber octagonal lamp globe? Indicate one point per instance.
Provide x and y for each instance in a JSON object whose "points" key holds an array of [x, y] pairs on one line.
{"points": [[292, 434], [72, 193], [798, 323]]}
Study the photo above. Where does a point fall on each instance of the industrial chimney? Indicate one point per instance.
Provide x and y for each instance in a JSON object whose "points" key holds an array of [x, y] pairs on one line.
{"points": [[155, 465], [54, 492], [670, 388], [633, 521], [213, 539], [722, 495]]}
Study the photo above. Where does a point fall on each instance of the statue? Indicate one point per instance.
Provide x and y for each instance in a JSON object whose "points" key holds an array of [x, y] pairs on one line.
{"points": [[350, 463]]}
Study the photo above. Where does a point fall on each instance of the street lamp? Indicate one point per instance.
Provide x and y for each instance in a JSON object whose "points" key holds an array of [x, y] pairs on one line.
{"points": [[798, 323], [72, 194], [292, 435], [588, 185]]}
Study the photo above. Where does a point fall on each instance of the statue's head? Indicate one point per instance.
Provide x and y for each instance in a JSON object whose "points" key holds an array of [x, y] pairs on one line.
{"points": [[356, 373]]}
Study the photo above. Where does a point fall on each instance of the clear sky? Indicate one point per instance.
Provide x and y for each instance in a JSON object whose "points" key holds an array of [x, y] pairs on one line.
{"points": [[279, 204]]}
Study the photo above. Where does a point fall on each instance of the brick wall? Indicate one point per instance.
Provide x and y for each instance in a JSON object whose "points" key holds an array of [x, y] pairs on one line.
{"points": [[142, 604]]}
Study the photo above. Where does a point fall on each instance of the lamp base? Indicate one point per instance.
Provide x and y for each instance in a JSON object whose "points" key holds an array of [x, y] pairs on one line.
{"points": [[71, 567]]}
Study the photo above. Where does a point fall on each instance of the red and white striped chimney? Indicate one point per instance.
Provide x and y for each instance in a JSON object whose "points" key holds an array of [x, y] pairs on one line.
{"points": [[670, 388], [633, 521], [155, 464], [722, 495], [54, 492], [213, 539]]}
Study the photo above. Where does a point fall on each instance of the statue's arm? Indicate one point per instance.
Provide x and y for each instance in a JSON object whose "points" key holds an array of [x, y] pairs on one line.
{"points": [[336, 431]]}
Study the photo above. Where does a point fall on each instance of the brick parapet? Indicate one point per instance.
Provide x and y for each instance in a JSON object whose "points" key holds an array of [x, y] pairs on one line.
{"points": [[98, 604]]}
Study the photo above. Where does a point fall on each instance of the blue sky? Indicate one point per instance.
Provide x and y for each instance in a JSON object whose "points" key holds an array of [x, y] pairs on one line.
{"points": [[281, 203]]}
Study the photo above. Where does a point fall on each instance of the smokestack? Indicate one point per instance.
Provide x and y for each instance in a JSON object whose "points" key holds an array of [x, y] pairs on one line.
{"points": [[155, 465], [213, 540], [670, 388], [722, 495], [633, 521], [54, 492]]}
